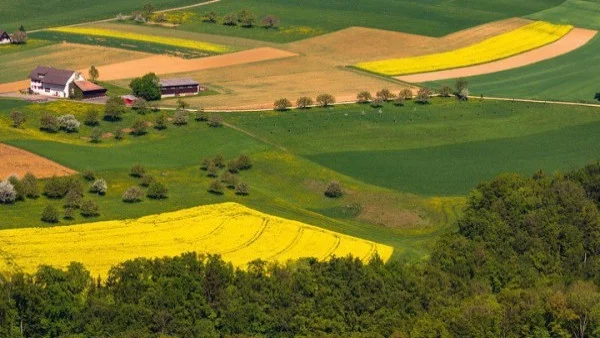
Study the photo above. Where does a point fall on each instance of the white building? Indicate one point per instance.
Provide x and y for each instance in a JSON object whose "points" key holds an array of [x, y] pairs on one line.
{"points": [[4, 38], [53, 82]]}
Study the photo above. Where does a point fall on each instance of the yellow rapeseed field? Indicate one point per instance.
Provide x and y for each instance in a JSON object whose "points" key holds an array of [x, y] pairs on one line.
{"points": [[236, 232], [175, 42], [528, 37]]}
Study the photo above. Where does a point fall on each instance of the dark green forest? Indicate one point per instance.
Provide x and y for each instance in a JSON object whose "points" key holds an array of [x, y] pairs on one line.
{"points": [[524, 262]]}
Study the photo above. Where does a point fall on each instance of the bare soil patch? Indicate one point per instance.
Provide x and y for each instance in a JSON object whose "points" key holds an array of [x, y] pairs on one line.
{"points": [[19, 162], [573, 40], [162, 64]]}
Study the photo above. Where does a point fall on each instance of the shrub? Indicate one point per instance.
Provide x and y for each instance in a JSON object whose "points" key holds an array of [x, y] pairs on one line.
{"points": [[205, 164], [141, 106], [230, 19], [146, 180], [69, 214], [399, 101], [180, 118], [242, 189], [90, 208], [181, 104], [201, 115], [73, 200], [363, 97], [50, 215], [139, 127], [18, 118], [377, 102], [463, 95], [93, 73], [114, 108], [423, 96], [334, 189], [304, 102], [68, 123], [119, 134], [157, 190], [233, 166], [30, 186], [597, 96], [269, 21], [282, 104], [219, 161], [18, 186], [215, 121], [146, 87], [96, 135], [246, 18], [215, 187], [325, 100], [8, 194], [445, 91], [211, 17], [461, 83], [161, 121], [229, 180], [92, 117], [137, 170], [99, 187], [132, 195], [88, 175], [212, 170], [58, 187], [244, 162], [49, 123], [406, 93], [385, 95]]}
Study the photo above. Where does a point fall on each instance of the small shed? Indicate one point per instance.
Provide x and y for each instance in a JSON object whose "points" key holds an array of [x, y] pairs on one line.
{"points": [[178, 87], [88, 90], [129, 100]]}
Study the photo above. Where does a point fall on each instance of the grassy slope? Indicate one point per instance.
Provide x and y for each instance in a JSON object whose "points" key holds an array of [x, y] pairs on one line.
{"points": [[43, 14], [571, 77], [281, 184], [434, 17], [580, 13], [441, 149]]}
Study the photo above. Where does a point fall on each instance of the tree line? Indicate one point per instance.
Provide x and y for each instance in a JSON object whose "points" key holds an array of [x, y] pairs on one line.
{"points": [[523, 262]]}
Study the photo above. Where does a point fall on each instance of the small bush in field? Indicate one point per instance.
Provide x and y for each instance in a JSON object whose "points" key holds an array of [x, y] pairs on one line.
{"points": [[90, 208], [99, 187], [215, 187], [137, 170], [88, 175], [157, 190], [242, 189], [50, 215], [334, 189], [132, 195], [147, 180]]}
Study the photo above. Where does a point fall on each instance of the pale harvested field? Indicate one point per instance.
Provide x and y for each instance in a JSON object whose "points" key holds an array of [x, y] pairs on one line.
{"points": [[162, 64], [18, 162], [573, 40], [356, 44], [257, 86], [16, 66]]}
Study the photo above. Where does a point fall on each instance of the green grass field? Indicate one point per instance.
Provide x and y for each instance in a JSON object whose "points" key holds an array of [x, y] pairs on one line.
{"points": [[580, 13], [570, 77], [305, 18], [51, 13]]}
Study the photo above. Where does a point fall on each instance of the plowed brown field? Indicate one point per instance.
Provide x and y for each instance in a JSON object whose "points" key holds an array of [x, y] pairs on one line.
{"points": [[18, 162]]}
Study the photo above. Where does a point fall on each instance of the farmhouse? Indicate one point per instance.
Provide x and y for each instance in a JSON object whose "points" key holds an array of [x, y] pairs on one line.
{"points": [[62, 83], [4, 38], [178, 87]]}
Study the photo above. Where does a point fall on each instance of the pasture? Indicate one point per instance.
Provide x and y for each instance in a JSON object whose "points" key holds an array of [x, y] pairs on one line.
{"points": [[52, 13], [306, 18], [570, 77], [238, 233]]}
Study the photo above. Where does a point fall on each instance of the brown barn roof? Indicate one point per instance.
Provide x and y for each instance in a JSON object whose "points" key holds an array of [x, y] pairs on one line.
{"points": [[178, 82], [87, 86], [51, 75]]}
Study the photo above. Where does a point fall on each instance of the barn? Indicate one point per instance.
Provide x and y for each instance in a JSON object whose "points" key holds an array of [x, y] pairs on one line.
{"points": [[87, 90], [178, 87], [4, 38]]}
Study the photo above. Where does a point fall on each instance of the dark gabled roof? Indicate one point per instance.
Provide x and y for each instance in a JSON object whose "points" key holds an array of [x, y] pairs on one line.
{"points": [[87, 86], [51, 75], [178, 82], [4, 33]]}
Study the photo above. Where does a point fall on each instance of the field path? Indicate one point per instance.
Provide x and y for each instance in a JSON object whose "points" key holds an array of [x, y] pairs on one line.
{"points": [[127, 16], [574, 39], [162, 64]]}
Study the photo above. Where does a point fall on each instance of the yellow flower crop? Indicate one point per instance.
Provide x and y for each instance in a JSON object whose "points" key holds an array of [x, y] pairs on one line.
{"points": [[239, 234], [531, 36], [175, 42]]}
